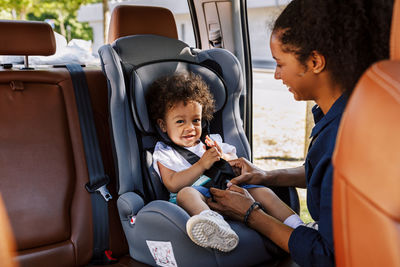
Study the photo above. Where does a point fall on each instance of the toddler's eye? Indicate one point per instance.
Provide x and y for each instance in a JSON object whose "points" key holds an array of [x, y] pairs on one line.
{"points": [[179, 121], [196, 121]]}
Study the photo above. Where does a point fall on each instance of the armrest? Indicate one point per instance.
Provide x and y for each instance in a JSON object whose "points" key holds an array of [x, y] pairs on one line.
{"points": [[129, 205]]}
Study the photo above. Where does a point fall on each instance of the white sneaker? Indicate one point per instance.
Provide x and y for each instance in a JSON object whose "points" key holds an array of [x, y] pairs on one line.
{"points": [[209, 229]]}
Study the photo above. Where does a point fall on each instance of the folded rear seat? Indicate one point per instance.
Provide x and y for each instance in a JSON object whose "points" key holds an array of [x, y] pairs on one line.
{"points": [[43, 169]]}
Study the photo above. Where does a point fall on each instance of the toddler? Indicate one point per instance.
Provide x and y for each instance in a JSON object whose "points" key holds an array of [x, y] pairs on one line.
{"points": [[177, 105]]}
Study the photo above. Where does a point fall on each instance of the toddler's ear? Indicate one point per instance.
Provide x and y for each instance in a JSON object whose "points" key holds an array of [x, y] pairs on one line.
{"points": [[161, 124]]}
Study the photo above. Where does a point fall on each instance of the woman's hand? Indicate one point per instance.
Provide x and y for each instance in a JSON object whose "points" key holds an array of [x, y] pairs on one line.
{"points": [[232, 202], [248, 172]]}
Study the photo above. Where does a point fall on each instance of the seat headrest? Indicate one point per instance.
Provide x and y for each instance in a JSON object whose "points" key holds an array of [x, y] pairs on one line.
{"points": [[131, 20], [395, 34], [147, 62], [26, 38]]}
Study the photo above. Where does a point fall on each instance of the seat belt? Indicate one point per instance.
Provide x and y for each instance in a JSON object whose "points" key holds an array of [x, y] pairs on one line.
{"points": [[98, 180]]}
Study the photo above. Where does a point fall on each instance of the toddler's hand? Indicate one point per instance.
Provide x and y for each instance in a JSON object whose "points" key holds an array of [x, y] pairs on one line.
{"points": [[209, 157], [209, 141], [212, 143]]}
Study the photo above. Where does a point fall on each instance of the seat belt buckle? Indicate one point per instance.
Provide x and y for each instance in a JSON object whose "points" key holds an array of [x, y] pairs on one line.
{"points": [[104, 192], [100, 187]]}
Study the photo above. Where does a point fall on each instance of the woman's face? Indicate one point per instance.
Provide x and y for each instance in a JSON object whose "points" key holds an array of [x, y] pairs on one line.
{"points": [[297, 77]]}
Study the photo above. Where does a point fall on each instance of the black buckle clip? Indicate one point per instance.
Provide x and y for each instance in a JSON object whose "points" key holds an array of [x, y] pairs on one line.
{"points": [[100, 187]]}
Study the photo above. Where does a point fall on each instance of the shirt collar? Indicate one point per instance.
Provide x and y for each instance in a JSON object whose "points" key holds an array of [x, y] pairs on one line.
{"points": [[322, 120]]}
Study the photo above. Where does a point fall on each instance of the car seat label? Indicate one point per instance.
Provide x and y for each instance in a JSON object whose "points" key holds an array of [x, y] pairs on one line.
{"points": [[162, 253]]}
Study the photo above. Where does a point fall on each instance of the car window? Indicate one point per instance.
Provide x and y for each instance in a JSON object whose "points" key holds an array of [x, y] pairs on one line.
{"points": [[278, 120]]}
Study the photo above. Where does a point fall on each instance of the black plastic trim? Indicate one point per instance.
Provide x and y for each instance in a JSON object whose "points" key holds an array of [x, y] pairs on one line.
{"points": [[248, 111]]}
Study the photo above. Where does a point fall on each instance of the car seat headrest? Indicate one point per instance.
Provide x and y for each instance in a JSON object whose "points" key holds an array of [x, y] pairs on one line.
{"points": [[147, 49], [395, 33], [131, 20], [26, 38], [147, 62]]}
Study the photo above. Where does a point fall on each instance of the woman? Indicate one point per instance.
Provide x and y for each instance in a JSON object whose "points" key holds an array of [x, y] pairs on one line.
{"points": [[321, 48]]}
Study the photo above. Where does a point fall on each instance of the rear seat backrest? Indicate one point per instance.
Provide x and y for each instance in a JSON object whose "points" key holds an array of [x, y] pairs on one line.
{"points": [[42, 162]]}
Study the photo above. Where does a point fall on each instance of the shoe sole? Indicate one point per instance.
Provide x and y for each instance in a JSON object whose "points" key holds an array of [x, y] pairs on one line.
{"points": [[206, 233]]}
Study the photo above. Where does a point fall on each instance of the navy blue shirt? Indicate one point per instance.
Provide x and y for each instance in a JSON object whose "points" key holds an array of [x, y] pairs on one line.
{"points": [[310, 247]]}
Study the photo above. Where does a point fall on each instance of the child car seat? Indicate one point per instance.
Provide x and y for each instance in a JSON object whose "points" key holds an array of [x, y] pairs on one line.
{"points": [[156, 232]]}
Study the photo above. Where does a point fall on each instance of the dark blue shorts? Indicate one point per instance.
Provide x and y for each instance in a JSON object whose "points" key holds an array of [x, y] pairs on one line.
{"points": [[206, 191]]}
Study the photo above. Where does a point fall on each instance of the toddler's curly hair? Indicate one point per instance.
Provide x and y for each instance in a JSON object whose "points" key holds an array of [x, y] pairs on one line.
{"points": [[167, 91]]}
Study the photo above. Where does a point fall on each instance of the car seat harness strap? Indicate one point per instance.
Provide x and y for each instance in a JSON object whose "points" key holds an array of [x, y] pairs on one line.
{"points": [[220, 172]]}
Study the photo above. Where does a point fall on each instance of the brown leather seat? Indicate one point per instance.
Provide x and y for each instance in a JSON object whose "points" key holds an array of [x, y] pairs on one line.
{"points": [[366, 193], [42, 164]]}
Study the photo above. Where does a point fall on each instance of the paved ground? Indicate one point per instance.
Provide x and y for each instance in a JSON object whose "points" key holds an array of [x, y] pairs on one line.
{"points": [[279, 123]]}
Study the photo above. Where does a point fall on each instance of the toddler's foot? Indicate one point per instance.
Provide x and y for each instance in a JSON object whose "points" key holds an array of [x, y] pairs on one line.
{"points": [[209, 229]]}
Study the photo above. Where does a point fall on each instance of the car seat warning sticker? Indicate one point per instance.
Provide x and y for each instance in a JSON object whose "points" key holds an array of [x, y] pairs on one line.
{"points": [[162, 253]]}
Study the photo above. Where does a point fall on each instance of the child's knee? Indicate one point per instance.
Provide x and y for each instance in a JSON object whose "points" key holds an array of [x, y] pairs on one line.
{"points": [[264, 195], [184, 194]]}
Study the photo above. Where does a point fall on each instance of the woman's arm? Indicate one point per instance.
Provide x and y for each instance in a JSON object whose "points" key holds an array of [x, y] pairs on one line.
{"points": [[236, 201], [287, 177], [270, 227], [250, 174]]}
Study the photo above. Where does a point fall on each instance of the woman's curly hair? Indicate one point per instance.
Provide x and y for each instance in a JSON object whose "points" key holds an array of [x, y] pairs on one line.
{"points": [[351, 34], [167, 91]]}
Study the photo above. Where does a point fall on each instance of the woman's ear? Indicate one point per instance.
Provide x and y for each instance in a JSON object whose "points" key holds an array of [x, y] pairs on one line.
{"points": [[318, 62], [161, 124]]}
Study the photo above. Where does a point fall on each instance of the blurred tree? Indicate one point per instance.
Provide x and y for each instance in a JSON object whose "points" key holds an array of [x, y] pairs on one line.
{"points": [[61, 12], [78, 30], [17, 8], [63, 9]]}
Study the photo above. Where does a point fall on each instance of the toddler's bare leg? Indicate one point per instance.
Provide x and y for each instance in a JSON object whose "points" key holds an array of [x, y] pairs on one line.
{"points": [[191, 200], [272, 204]]}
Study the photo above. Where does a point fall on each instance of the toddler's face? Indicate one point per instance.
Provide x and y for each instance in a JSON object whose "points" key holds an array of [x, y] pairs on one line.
{"points": [[183, 123]]}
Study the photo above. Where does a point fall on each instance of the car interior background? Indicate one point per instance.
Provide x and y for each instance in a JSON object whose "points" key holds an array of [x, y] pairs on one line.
{"points": [[44, 164]]}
